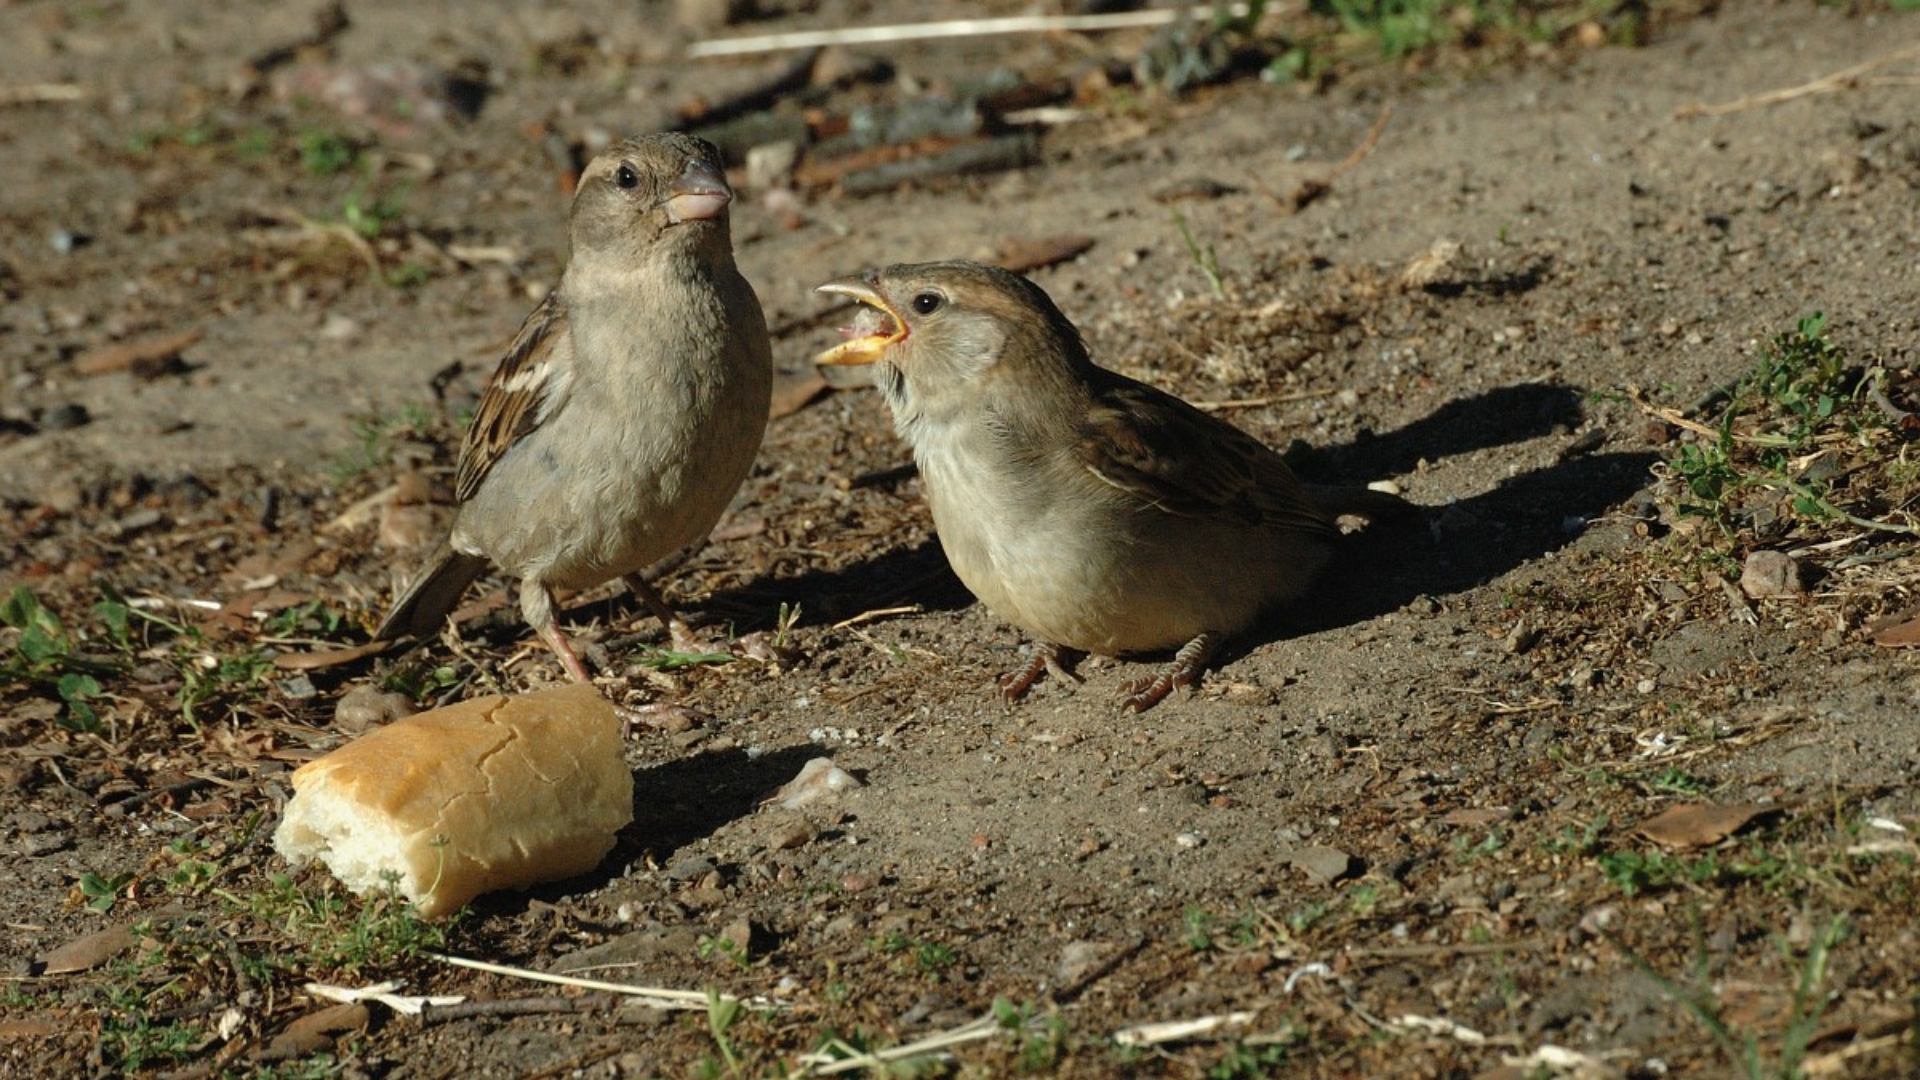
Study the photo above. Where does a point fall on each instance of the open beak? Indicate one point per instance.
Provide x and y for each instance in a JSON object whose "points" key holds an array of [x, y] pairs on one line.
{"points": [[875, 326]]}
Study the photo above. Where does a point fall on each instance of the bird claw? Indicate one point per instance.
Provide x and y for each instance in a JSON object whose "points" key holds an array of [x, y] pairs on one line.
{"points": [[1046, 660], [1183, 673]]}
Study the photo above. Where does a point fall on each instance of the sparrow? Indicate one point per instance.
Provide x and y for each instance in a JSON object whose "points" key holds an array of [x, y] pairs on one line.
{"points": [[628, 408], [1092, 511]]}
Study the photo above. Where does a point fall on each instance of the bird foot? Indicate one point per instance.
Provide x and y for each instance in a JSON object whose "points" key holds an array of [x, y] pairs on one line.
{"points": [[1144, 694], [1047, 659]]}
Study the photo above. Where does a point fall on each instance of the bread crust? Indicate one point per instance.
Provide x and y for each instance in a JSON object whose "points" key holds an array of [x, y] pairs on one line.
{"points": [[492, 793]]}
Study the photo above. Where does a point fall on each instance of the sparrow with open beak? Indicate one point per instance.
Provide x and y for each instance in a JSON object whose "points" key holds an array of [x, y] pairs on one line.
{"points": [[627, 410], [1092, 511]]}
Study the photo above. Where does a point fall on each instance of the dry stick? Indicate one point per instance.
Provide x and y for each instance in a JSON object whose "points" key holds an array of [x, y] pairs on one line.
{"points": [[655, 996], [1019, 24], [40, 93], [1839, 80], [822, 1062], [440, 1014], [1366, 145]]}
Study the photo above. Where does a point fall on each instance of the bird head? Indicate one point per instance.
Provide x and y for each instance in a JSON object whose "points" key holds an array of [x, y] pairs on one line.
{"points": [[953, 334], [640, 189]]}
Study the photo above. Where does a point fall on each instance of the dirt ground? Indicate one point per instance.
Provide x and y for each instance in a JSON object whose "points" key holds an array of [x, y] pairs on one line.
{"points": [[1397, 833]]}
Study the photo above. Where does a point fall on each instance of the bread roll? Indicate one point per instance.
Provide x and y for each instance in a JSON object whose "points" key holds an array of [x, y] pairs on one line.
{"points": [[492, 793]]}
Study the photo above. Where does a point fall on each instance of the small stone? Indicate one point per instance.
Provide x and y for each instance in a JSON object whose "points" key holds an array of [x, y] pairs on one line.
{"points": [[65, 417], [1188, 840], [364, 706], [818, 780], [689, 868], [1772, 575], [338, 327], [1078, 958], [1322, 863], [789, 831], [299, 688]]}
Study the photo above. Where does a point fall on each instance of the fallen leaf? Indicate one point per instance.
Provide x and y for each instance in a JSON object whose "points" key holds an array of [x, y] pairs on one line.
{"points": [[315, 1031], [1693, 825], [89, 951], [1475, 816], [1021, 256], [143, 356], [1898, 631]]}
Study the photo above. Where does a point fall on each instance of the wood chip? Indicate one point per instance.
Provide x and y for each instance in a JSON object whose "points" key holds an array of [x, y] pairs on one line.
{"points": [[145, 356], [1696, 825]]}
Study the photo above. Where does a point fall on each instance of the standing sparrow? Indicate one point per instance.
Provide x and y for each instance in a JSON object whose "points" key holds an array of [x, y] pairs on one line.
{"points": [[1094, 512], [627, 410]]}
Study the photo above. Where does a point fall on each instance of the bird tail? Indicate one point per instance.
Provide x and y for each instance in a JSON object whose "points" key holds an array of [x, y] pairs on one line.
{"points": [[424, 607], [1337, 501]]}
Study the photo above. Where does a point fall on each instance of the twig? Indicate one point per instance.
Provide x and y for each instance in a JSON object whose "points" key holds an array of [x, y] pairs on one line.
{"points": [[877, 613], [1839, 80], [40, 93], [1366, 145], [657, 997], [1166, 1031], [952, 28], [439, 1014], [826, 1062]]}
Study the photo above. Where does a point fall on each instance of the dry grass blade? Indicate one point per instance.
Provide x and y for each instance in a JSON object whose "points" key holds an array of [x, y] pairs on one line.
{"points": [[1826, 84], [658, 997], [838, 1056], [950, 28], [40, 93], [1166, 1031]]}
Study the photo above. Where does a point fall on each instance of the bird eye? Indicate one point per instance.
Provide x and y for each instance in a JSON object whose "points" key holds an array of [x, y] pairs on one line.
{"points": [[927, 303], [626, 177]]}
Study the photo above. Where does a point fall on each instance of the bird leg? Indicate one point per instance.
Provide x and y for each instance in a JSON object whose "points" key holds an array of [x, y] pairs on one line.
{"points": [[678, 632], [1144, 694], [1047, 659], [536, 605]]}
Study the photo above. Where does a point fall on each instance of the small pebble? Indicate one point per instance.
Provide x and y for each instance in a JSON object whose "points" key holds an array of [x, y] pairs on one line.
{"points": [[1771, 575], [364, 706], [65, 417]]}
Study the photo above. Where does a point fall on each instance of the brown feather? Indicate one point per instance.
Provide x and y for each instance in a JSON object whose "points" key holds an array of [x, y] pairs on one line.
{"points": [[516, 398]]}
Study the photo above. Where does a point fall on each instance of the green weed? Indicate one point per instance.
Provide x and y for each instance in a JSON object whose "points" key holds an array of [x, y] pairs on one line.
{"points": [[1203, 257], [45, 655], [1792, 450], [1746, 1049]]}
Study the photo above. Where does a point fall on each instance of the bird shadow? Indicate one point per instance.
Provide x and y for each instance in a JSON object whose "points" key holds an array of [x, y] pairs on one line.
{"points": [[1457, 547], [1499, 417], [918, 575]]}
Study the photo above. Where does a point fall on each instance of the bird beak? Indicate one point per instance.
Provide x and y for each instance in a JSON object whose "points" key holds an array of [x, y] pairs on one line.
{"points": [[699, 193], [874, 328]]}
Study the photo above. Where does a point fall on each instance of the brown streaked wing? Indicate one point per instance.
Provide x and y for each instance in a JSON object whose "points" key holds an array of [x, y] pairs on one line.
{"points": [[516, 398], [1171, 456]]}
